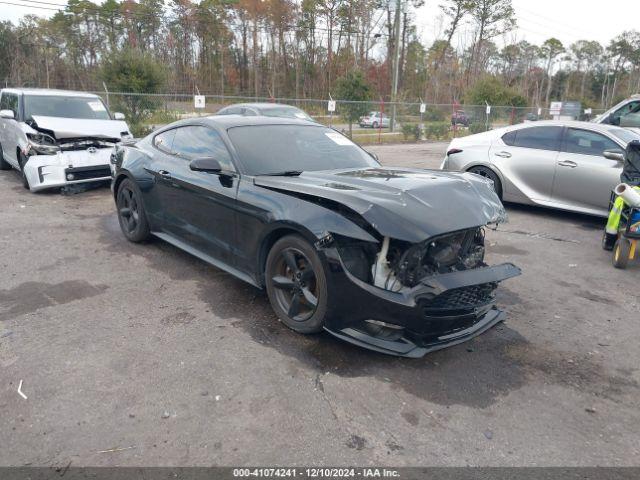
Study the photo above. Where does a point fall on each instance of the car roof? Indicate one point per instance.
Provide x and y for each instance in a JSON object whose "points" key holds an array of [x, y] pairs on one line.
{"points": [[598, 127], [229, 121], [261, 105], [49, 92]]}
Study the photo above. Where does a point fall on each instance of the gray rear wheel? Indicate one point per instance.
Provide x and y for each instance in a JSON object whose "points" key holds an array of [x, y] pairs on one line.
{"points": [[490, 174]]}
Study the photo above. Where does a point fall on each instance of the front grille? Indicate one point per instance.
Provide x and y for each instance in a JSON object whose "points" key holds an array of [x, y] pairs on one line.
{"points": [[87, 173], [462, 299]]}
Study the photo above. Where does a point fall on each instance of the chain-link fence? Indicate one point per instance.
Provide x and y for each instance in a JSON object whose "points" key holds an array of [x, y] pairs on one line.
{"points": [[366, 122]]}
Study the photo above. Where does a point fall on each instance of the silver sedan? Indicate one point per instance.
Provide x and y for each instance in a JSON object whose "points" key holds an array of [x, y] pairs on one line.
{"points": [[566, 165]]}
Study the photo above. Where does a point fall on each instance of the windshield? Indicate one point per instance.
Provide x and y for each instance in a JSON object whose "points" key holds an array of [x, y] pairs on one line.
{"points": [[285, 112], [625, 135], [86, 108], [268, 149]]}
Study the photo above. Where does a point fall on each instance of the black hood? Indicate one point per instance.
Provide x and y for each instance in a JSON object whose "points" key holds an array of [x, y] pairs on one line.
{"points": [[406, 204]]}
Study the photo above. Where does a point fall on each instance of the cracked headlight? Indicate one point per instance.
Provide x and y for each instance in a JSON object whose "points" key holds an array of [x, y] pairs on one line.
{"points": [[43, 144]]}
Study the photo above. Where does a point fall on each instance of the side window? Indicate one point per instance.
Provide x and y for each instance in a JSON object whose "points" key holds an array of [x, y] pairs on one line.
{"points": [[231, 111], [510, 138], [585, 142], [248, 112], [164, 140], [540, 138], [9, 101], [197, 141], [623, 111]]}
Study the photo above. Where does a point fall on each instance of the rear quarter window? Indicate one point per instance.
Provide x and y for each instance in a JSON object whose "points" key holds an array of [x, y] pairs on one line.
{"points": [[538, 138]]}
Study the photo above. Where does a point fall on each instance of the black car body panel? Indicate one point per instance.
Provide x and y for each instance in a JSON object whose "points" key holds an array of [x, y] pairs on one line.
{"points": [[231, 219], [394, 201]]}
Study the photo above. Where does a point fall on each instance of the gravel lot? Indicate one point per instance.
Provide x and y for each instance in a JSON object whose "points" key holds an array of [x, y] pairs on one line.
{"points": [[148, 352]]}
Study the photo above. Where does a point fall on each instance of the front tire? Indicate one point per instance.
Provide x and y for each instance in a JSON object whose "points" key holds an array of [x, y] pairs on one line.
{"points": [[491, 175], [296, 284], [374, 125], [4, 165], [22, 160], [131, 213], [608, 241]]}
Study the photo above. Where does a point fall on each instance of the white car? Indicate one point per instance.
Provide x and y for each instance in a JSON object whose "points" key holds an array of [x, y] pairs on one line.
{"points": [[57, 138], [559, 164], [624, 114], [374, 120]]}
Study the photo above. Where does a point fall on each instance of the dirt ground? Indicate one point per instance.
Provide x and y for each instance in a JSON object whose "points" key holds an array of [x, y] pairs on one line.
{"points": [[142, 355]]}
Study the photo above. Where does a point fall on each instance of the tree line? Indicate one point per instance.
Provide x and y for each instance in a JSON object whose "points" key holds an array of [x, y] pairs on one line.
{"points": [[303, 49]]}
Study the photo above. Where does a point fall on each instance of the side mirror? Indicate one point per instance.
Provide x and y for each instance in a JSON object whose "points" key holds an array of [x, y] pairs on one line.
{"points": [[8, 114], [118, 116], [205, 164], [617, 155]]}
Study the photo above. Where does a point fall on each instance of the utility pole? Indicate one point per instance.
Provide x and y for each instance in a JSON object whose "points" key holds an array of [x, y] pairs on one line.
{"points": [[396, 66]]}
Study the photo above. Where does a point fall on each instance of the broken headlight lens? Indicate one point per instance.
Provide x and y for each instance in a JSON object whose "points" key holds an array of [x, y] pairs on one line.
{"points": [[42, 143]]}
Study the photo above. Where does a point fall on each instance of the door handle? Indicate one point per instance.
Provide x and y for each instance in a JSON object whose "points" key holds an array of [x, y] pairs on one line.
{"points": [[164, 174], [503, 154], [568, 163]]}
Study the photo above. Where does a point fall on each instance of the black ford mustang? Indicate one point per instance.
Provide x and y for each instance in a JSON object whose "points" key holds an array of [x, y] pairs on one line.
{"points": [[387, 258]]}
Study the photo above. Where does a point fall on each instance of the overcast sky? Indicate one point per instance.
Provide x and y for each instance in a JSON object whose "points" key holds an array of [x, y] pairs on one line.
{"points": [[568, 20]]}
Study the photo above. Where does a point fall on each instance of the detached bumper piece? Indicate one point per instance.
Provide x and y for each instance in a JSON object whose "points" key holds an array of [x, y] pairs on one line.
{"points": [[444, 310]]}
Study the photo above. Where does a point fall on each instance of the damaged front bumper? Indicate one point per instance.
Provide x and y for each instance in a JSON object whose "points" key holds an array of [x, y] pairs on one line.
{"points": [[68, 168], [443, 310]]}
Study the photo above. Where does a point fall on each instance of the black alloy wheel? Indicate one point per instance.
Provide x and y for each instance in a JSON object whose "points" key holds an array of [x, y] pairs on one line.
{"points": [[296, 284], [131, 214]]}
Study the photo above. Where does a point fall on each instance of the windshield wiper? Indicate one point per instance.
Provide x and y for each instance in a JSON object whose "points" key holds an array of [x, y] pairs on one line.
{"points": [[286, 173]]}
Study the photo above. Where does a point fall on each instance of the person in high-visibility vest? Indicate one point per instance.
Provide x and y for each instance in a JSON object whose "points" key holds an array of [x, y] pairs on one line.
{"points": [[631, 176]]}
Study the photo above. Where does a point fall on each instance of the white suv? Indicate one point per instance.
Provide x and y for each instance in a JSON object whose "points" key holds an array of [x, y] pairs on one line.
{"points": [[624, 114], [56, 137]]}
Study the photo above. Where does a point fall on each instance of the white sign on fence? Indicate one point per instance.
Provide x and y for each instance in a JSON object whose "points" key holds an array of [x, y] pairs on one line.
{"points": [[488, 109], [555, 108], [539, 111], [198, 101], [423, 107], [587, 111], [331, 106]]}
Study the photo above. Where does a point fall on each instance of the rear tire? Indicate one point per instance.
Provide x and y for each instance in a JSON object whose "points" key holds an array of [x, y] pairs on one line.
{"points": [[131, 213], [491, 175], [621, 252], [296, 284], [4, 165]]}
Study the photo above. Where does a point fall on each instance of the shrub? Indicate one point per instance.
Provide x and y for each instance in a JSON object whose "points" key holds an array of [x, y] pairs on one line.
{"points": [[478, 128], [411, 130], [436, 130]]}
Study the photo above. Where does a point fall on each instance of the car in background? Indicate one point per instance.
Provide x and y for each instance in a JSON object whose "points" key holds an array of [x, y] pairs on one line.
{"points": [[566, 165], [374, 120], [391, 259], [459, 117], [624, 114], [56, 138], [267, 109]]}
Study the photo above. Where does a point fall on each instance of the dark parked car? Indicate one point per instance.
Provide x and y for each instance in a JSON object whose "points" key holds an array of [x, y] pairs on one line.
{"points": [[459, 117], [267, 109], [387, 258]]}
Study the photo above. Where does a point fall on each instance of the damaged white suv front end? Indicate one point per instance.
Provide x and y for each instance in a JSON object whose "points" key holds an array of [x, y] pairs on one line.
{"points": [[77, 151], [58, 138]]}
